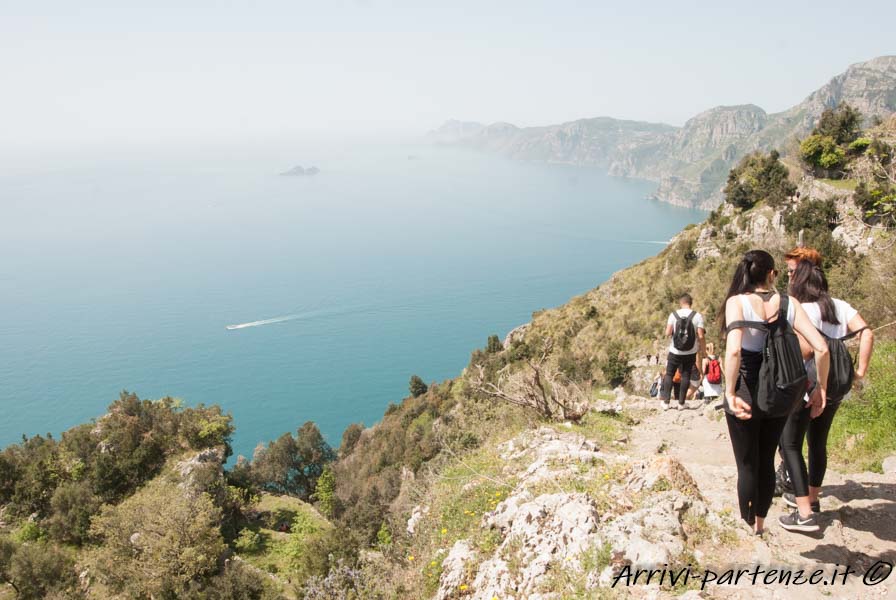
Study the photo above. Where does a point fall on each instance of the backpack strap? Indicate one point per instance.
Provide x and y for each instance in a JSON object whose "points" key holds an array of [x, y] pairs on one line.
{"points": [[760, 325], [852, 334], [783, 307], [690, 318]]}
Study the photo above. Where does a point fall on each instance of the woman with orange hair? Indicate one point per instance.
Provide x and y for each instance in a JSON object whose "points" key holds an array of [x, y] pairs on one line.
{"points": [[801, 254]]}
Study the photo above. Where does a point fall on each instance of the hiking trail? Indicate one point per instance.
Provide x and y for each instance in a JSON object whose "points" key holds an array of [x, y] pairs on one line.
{"points": [[858, 518]]}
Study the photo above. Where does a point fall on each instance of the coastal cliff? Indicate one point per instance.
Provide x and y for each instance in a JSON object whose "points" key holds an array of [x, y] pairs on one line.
{"points": [[689, 163]]}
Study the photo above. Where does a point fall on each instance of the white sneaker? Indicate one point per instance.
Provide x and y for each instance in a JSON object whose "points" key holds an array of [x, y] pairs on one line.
{"points": [[665, 405], [681, 406]]}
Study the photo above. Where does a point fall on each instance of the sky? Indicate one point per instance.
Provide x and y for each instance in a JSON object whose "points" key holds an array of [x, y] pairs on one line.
{"points": [[76, 74]]}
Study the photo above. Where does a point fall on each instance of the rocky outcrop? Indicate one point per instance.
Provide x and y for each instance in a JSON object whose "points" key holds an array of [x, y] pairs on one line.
{"points": [[544, 527], [517, 334], [690, 163], [196, 471]]}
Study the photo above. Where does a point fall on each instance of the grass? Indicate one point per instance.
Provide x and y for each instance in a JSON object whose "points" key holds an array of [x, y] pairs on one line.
{"points": [[275, 552], [841, 184], [862, 434], [604, 428], [460, 494]]}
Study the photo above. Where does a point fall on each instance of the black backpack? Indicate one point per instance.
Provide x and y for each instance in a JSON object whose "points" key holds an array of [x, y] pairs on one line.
{"points": [[842, 369], [782, 377], [684, 336]]}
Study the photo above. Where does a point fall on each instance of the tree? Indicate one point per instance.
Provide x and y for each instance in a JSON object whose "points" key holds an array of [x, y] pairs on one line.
{"points": [[494, 345], [37, 570], [417, 386], [539, 386], [615, 366], [159, 542], [291, 465], [350, 437], [842, 124], [239, 582], [73, 504], [818, 215], [758, 178], [325, 492]]}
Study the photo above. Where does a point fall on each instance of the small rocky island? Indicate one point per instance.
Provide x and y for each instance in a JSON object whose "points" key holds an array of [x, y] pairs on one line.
{"points": [[300, 171]]}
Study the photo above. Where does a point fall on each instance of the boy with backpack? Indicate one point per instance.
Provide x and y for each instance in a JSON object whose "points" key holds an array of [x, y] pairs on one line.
{"points": [[686, 328]]}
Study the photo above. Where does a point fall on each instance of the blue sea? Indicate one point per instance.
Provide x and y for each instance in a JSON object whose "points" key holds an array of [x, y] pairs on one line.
{"points": [[124, 271]]}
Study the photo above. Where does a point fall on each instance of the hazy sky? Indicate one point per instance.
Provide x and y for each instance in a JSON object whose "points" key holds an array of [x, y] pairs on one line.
{"points": [[88, 72]]}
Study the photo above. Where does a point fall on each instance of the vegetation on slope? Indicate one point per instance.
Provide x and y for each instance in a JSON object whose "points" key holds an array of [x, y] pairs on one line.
{"points": [[304, 520]]}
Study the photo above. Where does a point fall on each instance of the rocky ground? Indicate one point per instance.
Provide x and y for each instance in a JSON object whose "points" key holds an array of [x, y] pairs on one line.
{"points": [[858, 517], [584, 510]]}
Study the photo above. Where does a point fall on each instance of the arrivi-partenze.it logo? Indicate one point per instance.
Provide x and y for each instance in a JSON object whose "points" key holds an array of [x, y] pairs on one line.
{"points": [[837, 575]]}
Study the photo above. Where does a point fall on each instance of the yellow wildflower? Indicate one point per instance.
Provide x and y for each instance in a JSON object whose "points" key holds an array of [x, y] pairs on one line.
{"points": [[444, 530], [463, 587], [410, 558]]}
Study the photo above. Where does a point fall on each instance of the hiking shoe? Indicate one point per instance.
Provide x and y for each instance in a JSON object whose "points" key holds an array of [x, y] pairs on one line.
{"points": [[790, 500], [795, 522]]}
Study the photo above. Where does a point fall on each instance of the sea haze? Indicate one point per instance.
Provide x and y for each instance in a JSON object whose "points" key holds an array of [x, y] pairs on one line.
{"points": [[393, 260]]}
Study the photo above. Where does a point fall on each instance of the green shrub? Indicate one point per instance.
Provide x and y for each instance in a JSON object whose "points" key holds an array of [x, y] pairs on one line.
{"points": [[859, 146], [177, 534], [878, 204], [577, 367], [417, 386], [73, 504], [38, 570], [238, 582], [615, 367], [29, 531], [248, 541], [384, 536], [822, 152], [494, 345], [758, 178], [818, 215]]}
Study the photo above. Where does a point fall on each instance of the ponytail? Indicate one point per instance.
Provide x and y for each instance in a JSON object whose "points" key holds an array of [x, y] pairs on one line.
{"points": [[751, 271]]}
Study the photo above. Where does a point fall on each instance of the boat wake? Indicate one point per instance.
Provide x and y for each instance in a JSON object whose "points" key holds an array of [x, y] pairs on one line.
{"points": [[264, 322], [323, 312]]}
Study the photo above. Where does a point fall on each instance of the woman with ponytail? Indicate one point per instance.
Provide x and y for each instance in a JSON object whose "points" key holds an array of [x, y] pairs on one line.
{"points": [[755, 435], [835, 319]]}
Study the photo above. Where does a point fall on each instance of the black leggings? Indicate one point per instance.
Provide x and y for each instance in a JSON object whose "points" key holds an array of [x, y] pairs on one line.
{"points": [[795, 431], [754, 442], [678, 362]]}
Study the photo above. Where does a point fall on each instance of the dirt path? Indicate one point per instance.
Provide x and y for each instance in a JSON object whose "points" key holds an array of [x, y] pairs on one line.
{"points": [[858, 516]]}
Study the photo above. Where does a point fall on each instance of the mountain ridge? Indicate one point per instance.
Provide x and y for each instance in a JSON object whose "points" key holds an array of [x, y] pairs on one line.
{"points": [[689, 163]]}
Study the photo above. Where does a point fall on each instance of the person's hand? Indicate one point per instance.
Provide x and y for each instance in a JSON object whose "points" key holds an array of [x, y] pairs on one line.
{"points": [[817, 402], [741, 409]]}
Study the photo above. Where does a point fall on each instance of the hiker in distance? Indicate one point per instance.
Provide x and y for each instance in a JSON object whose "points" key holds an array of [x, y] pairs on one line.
{"points": [[838, 322], [686, 328], [765, 377], [712, 378]]}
